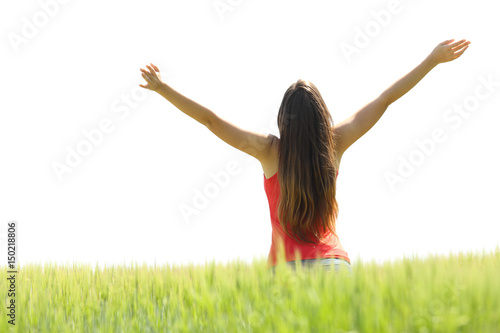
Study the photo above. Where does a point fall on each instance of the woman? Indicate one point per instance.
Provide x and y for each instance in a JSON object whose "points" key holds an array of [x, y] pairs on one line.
{"points": [[301, 195]]}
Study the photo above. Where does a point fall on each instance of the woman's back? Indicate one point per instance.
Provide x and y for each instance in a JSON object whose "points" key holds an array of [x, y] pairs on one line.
{"points": [[330, 247]]}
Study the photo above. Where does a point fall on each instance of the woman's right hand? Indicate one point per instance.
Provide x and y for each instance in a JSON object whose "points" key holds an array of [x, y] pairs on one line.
{"points": [[152, 77], [448, 51]]}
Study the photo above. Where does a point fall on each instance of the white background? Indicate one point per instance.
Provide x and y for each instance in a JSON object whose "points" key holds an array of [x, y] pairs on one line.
{"points": [[78, 65]]}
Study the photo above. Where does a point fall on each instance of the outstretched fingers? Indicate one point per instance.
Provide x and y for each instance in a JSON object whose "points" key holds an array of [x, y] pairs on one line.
{"points": [[453, 45], [460, 52], [154, 66], [446, 42], [459, 44], [151, 71], [147, 75]]}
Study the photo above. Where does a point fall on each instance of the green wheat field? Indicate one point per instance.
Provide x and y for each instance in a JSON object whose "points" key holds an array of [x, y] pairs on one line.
{"points": [[438, 293]]}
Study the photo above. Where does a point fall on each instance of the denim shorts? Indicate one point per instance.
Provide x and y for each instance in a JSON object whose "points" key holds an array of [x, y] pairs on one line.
{"points": [[339, 265]]}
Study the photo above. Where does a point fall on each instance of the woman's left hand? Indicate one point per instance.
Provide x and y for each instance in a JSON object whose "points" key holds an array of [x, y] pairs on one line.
{"points": [[448, 51], [152, 78]]}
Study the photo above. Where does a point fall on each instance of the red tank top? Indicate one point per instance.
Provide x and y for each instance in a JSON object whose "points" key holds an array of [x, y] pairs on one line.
{"points": [[330, 248]]}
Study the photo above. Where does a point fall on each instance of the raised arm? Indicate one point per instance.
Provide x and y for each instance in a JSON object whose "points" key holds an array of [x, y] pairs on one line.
{"points": [[255, 144], [354, 127]]}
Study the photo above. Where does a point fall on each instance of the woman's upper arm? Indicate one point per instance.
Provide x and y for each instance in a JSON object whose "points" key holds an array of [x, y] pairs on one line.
{"points": [[354, 127], [255, 144]]}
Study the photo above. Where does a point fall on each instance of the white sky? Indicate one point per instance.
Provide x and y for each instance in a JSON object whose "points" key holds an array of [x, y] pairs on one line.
{"points": [[122, 203]]}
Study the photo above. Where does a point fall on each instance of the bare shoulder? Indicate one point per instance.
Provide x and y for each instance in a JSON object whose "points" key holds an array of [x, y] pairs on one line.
{"points": [[270, 163], [338, 147]]}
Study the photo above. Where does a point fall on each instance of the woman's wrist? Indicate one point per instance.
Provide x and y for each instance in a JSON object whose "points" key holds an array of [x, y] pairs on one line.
{"points": [[161, 87], [431, 62]]}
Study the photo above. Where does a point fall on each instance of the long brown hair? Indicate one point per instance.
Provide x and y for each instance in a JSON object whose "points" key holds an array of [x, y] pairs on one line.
{"points": [[307, 164]]}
